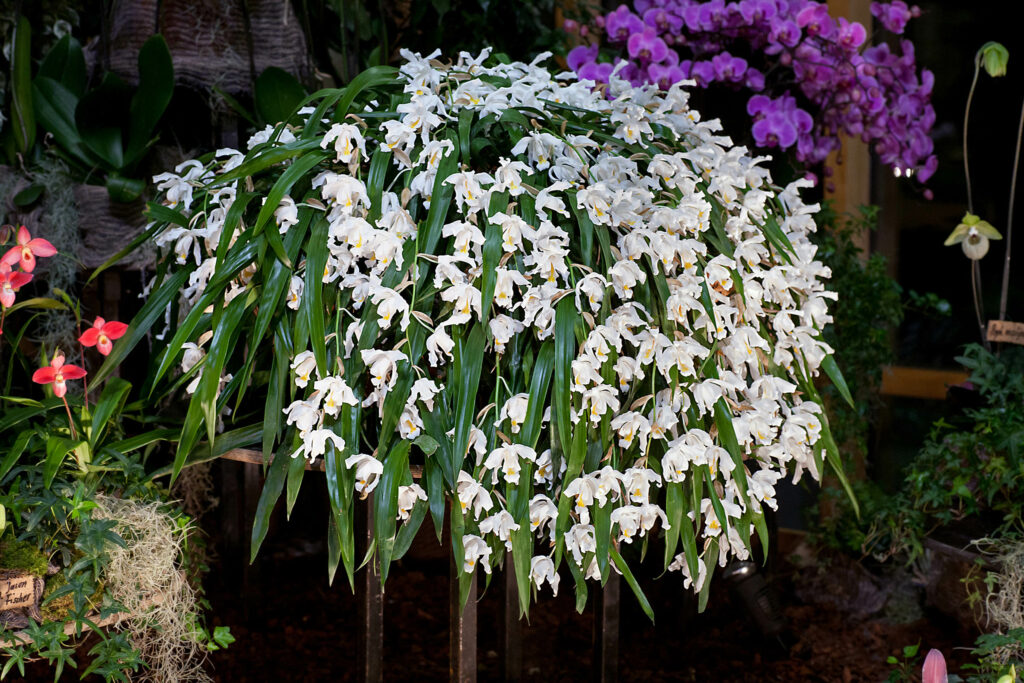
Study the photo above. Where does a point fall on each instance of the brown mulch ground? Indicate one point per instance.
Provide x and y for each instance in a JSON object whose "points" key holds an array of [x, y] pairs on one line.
{"points": [[291, 626]]}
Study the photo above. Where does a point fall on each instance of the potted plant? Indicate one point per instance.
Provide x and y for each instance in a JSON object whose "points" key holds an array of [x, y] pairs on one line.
{"points": [[582, 313]]}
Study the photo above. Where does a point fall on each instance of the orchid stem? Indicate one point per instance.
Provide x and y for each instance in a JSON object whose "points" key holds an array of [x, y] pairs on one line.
{"points": [[71, 421], [967, 113], [1009, 220], [976, 292]]}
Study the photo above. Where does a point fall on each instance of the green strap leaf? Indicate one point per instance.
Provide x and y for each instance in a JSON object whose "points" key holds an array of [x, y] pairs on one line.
{"points": [[272, 488], [645, 605], [836, 375], [153, 310]]}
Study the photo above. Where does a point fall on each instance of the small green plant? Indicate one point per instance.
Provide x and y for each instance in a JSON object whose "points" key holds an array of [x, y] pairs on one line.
{"points": [[905, 664]]}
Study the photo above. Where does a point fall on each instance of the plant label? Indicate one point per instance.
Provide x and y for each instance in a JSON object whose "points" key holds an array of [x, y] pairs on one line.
{"points": [[1006, 331], [20, 593]]}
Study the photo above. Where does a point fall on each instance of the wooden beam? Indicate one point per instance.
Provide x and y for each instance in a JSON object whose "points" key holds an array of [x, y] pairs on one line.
{"points": [[512, 629], [370, 656], [461, 628], [254, 457], [606, 631], [851, 166], [919, 382]]}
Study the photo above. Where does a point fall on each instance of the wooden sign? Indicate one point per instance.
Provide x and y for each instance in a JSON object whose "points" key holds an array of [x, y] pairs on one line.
{"points": [[20, 594], [1005, 331]]}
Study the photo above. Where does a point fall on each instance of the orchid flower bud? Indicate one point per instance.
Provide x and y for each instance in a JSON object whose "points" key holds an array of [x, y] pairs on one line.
{"points": [[994, 58]]}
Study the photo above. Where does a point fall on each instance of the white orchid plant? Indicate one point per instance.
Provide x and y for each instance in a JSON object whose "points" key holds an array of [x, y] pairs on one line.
{"points": [[581, 316]]}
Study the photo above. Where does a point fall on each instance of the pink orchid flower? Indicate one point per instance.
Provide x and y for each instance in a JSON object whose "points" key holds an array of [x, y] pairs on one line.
{"points": [[57, 373], [102, 335], [934, 669], [27, 249], [10, 283]]}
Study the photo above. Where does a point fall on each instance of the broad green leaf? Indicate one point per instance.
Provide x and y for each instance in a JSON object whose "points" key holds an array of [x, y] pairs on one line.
{"points": [[108, 407], [14, 452], [727, 438], [57, 449], [156, 86], [101, 116], [65, 64], [277, 94]]}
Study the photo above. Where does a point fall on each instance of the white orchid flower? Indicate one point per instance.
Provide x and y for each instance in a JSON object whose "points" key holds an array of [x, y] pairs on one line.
{"points": [[368, 471], [514, 410], [348, 143], [471, 493], [506, 460], [542, 568], [501, 525], [303, 365], [476, 552], [314, 443], [407, 497]]}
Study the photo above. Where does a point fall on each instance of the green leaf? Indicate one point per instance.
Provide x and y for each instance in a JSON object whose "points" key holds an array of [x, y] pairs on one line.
{"points": [[23, 122], [312, 294], [372, 77], [109, 406], [631, 580], [101, 116], [272, 488], [406, 535], [123, 189], [491, 253], [156, 86], [834, 374], [565, 352], [375, 178], [263, 158], [153, 310], [57, 449], [296, 472], [385, 504], [674, 511], [65, 64], [465, 381], [55, 107], [14, 452], [529, 431], [28, 196], [277, 94], [37, 302], [727, 437], [298, 169]]}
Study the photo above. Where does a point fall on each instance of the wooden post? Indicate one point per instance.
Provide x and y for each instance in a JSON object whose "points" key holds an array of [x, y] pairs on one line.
{"points": [[369, 657], [511, 626], [851, 167], [606, 631], [461, 629]]}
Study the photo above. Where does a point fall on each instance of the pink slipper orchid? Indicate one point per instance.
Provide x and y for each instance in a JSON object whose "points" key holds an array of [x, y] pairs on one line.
{"points": [[934, 669], [58, 374], [27, 250], [102, 335], [10, 283]]}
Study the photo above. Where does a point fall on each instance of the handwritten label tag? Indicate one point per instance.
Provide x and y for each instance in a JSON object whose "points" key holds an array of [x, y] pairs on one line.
{"points": [[1005, 331], [17, 592]]}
